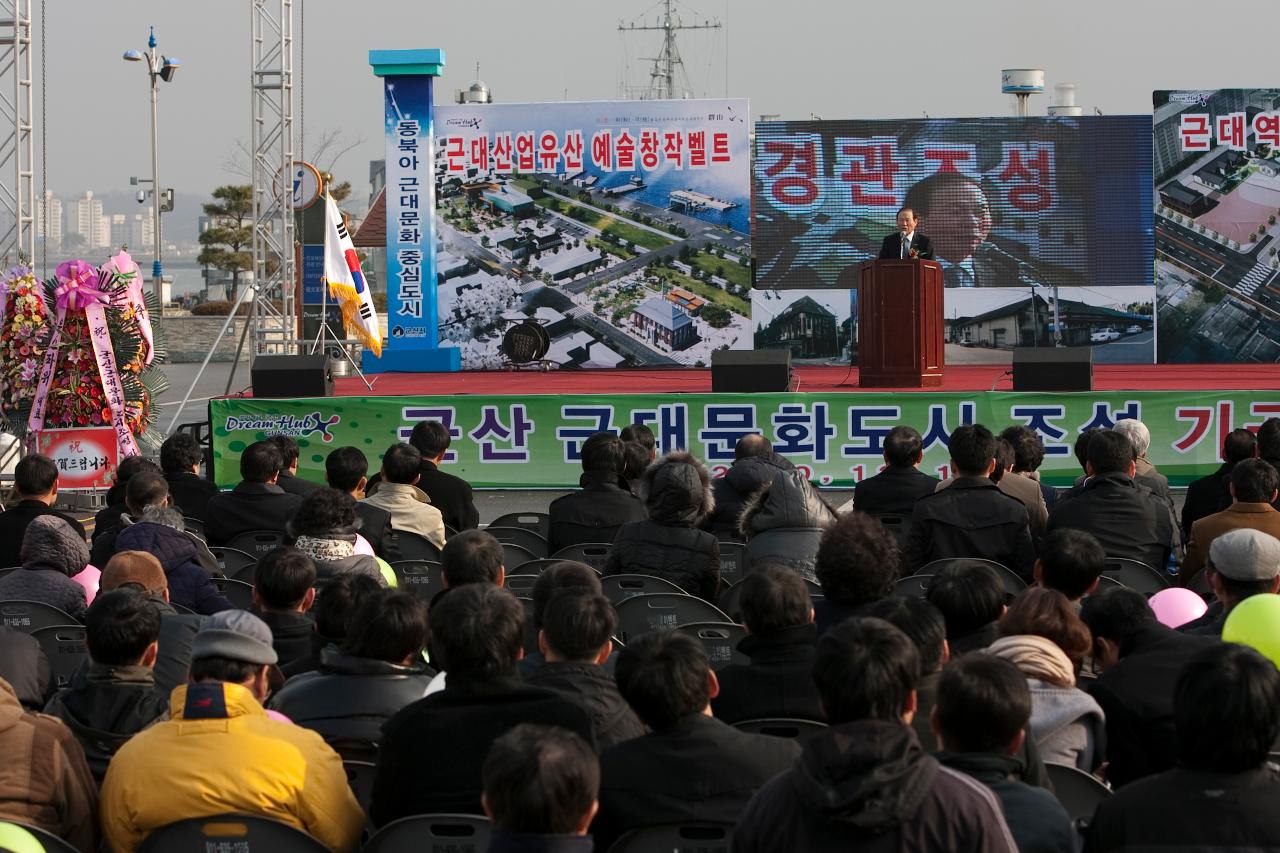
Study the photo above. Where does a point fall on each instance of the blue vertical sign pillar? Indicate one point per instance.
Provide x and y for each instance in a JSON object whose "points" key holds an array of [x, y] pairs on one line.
{"points": [[413, 330]]}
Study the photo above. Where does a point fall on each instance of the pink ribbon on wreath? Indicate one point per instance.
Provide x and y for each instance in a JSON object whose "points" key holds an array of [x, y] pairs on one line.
{"points": [[124, 266], [77, 291]]}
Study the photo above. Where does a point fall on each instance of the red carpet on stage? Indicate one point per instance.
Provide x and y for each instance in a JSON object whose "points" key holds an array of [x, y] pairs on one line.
{"points": [[1111, 377]]}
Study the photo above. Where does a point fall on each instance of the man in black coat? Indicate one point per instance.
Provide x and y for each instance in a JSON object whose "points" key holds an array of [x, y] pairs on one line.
{"points": [[691, 766], [451, 495], [755, 464], [980, 720], [895, 490], [36, 479], [1222, 794], [1140, 661], [972, 518], [865, 783], [778, 681], [345, 469], [256, 503], [1128, 521], [180, 458], [1212, 493], [575, 640], [604, 503], [905, 243], [432, 751], [289, 479], [283, 591]]}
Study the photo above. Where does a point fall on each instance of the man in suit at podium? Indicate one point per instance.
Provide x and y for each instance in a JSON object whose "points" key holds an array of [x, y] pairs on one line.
{"points": [[906, 242]]}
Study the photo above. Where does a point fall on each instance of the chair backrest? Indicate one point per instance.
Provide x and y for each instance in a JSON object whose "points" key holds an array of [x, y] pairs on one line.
{"points": [[898, 525], [1136, 575], [514, 555], [360, 777], [912, 586], [662, 611], [1013, 584], [1079, 792], [234, 563], [530, 540], [535, 567], [521, 584], [1105, 581], [730, 600], [432, 833], [64, 646], [422, 577], [538, 522], [720, 640], [792, 729], [49, 842], [594, 554], [676, 838], [194, 525], [258, 543], [566, 533], [733, 562], [10, 570], [237, 592], [618, 588], [411, 546], [241, 833], [27, 617], [530, 628]]}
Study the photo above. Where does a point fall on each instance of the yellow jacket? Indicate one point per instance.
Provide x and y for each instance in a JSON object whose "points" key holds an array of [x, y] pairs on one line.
{"points": [[220, 753]]}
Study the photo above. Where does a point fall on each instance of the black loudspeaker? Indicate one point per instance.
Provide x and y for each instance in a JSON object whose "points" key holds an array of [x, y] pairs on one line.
{"points": [[1053, 369], [743, 371], [292, 376]]}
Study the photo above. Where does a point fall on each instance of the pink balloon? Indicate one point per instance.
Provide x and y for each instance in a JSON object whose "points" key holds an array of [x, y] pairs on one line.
{"points": [[1177, 606], [363, 546], [278, 717], [88, 578]]}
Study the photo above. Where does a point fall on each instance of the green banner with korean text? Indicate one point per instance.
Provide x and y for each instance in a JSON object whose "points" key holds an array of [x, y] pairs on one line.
{"points": [[534, 441]]}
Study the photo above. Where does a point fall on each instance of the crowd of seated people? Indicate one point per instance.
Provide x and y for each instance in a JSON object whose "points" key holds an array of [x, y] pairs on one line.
{"points": [[938, 675]]}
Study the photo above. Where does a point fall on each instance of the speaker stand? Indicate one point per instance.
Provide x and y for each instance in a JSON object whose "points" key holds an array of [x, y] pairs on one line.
{"points": [[326, 332]]}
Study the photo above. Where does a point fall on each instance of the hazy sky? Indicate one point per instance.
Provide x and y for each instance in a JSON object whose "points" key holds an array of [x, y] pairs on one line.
{"points": [[850, 59]]}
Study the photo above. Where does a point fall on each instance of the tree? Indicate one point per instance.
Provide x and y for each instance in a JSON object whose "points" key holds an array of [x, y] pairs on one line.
{"points": [[225, 242], [717, 316]]}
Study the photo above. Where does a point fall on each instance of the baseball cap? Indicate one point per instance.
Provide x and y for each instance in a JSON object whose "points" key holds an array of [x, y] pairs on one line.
{"points": [[133, 567], [1246, 555], [235, 635]]}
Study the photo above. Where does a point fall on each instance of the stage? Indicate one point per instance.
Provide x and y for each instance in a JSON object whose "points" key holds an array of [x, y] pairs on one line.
{"points": [[807, 379]]}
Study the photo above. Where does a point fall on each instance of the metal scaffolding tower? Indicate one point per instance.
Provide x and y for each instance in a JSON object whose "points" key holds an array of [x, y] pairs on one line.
{"points": [[668, 64], [17, 152], [273, 322]]}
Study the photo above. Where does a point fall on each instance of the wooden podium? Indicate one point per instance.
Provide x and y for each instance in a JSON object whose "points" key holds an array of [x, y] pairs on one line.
{"points": [[900, 324]]}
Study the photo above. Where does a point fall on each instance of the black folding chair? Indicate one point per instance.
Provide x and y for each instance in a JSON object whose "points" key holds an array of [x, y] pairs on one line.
{"points": [[425, 578], [195, 525], [618, 588], [787, 727], [237, 592], [531, 630], [662, 611], [522, 536], [898, 525], [9, 570], [514, 555], [27, 617], [1013, 583], [360, 777], [913, 586], [521, 584], [258, 543], [594, 554], [1136, 575], [676, 838], [234, 563], [64, 646], [1079, 792], [411, 546], [242, 833], [733, 562], [432, 833], [538, 522], [719, 640], [535, 567]]}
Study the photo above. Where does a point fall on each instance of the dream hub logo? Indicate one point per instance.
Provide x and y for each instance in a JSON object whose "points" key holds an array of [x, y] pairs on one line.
{"points": [[295, 427]]}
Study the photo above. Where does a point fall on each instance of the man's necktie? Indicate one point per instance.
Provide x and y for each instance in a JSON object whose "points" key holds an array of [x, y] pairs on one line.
{"points": [[902, 242]]}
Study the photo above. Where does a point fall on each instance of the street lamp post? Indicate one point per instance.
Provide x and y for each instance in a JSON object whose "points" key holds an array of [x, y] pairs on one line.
{"points": [[158, 68]]}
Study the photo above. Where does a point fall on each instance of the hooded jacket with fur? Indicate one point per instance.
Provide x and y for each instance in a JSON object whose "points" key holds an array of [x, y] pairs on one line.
{"points": [[787, 503], [668, 544]]}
